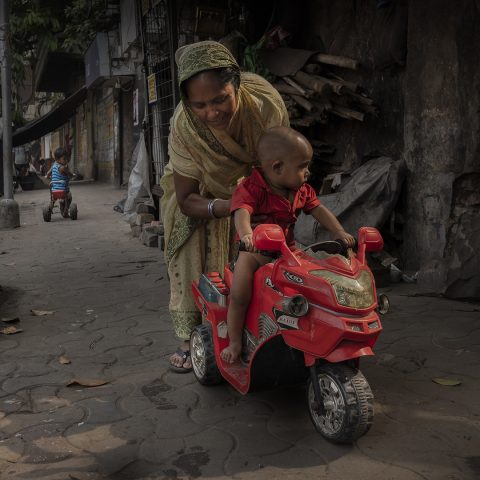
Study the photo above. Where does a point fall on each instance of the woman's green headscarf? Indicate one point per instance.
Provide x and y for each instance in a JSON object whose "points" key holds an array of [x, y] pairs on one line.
{"points": [[200, 56]]}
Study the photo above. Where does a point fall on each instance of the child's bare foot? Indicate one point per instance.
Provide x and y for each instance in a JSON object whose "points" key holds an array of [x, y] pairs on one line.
{"points": [[231, 353]]}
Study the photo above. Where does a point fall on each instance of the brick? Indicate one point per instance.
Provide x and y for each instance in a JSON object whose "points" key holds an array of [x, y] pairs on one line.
{"points": [[161, 243], [144, 208], [149, 239], [136, 230], [154, 228], [144, 218]]}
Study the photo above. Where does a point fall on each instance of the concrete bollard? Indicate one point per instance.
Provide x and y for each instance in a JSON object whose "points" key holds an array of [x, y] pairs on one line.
{"points": [[9, 214]]}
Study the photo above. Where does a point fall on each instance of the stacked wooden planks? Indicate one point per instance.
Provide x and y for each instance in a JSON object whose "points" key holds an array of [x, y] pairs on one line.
{"points": [[314, 93]]}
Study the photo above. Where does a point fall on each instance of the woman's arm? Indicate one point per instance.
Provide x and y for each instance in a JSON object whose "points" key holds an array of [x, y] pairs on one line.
{"points": [[192, 204]]}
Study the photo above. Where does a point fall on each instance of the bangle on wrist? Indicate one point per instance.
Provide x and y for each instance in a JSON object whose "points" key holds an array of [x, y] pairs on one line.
{"points": [[210, 209]]}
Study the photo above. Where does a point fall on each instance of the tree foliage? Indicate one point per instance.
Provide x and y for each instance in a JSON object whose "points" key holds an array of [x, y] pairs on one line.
{"points": [[55, 25]]}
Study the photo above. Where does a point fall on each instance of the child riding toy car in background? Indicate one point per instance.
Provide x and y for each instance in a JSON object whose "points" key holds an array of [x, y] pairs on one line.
{"points": [[60, 188]]}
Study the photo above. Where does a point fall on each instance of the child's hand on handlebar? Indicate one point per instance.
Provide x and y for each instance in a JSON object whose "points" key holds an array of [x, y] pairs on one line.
{"points": [[345, 237], [247, 239]]}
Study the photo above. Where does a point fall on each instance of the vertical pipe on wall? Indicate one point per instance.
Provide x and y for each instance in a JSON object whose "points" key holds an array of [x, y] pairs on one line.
{"points": [[6, 101]]}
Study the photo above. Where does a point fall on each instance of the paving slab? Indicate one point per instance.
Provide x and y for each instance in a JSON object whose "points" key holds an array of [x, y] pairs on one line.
{"points": [[109, 294]]}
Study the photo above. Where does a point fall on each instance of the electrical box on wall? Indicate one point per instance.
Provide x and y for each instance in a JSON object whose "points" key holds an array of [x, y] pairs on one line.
{"points": [[128, 25], [101, 65], [97, 61]]}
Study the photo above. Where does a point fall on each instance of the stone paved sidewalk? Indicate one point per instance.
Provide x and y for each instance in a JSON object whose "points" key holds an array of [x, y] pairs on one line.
{"points": [[109, 295]]}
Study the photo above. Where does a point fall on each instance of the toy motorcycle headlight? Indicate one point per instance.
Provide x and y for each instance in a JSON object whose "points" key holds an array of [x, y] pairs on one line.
{"points": [[350, 292], [296, 305]]}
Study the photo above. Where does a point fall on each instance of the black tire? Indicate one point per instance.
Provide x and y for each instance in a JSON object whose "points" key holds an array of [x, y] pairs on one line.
{"points": [[73, 211], [383, 304], [348, 401], [47, 214], [203, 356], [63, 209]]}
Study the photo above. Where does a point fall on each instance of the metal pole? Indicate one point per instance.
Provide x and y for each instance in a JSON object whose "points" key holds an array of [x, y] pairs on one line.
{"points": [[9, 212]]}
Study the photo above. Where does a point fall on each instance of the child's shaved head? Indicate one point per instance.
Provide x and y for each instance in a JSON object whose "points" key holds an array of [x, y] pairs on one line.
{"points": [[281, 144]]}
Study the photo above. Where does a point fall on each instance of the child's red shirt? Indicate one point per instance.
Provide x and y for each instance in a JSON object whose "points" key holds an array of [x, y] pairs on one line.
{"points": [[256, 196]]}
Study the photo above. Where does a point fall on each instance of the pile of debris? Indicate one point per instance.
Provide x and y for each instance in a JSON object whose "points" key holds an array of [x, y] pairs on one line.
{"points": [[146, 228], [312, 92]]}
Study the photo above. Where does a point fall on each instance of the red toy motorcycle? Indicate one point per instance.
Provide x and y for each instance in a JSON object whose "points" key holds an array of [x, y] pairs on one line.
{"points": [[309, 318]]}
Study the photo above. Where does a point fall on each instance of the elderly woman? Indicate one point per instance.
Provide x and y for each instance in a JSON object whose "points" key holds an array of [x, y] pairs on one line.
{"points": [[213, 134]]}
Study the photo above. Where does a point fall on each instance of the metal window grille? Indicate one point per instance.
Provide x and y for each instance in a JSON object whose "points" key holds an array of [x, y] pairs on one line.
{"points": [[157, 32]]}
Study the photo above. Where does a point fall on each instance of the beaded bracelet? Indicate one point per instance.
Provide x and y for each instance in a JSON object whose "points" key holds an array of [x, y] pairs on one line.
{"points": [[210, 210]]}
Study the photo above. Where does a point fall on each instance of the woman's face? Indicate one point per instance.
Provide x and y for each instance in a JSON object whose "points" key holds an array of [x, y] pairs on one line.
{"points": [[213, 103]]}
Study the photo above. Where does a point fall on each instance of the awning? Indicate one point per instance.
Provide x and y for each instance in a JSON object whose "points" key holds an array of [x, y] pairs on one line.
{"points": [[51, 121]]}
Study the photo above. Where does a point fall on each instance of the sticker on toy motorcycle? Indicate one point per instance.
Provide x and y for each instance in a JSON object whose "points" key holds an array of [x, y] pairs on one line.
{"points": [[286, 321], [269, 283], [222, 330], [293, 278]]}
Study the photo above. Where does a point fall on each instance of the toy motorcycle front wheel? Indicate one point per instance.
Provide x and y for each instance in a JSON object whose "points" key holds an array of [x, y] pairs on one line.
{"points": [[347, 403], [203, 356]]}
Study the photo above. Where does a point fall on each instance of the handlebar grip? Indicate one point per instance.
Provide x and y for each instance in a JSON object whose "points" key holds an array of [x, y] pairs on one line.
{"points": [[345, 246], [242, 247]]}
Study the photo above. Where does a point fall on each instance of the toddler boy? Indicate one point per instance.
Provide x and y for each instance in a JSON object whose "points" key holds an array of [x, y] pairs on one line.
{"points": [[276, 189]]}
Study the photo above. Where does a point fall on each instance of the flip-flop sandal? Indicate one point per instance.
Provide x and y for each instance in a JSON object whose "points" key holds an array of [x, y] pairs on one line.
{"points": [[184, 356]]}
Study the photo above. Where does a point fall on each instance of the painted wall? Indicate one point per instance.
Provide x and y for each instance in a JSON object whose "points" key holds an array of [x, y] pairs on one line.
{"points": [[104, 144], [442, 145]]}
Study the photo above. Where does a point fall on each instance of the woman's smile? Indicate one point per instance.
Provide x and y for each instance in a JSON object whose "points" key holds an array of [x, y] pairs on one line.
{"points": [[212, 102], [219, 120]]}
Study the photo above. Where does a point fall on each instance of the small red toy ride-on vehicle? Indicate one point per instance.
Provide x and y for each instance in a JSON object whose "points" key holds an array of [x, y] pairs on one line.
{"points": [[309, 318], [67, 207]]}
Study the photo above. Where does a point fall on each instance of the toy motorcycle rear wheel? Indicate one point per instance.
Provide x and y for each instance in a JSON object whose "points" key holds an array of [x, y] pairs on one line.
{"points": [[347, 400], [203, 356]]}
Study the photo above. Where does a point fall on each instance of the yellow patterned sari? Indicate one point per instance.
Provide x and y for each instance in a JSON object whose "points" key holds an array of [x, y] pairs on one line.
{"points": [[217, 160]]}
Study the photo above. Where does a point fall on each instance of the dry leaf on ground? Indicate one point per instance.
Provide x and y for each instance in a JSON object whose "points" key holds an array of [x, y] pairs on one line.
{"points": [[87, 382], [10, 320], [41, 313], [447, 382], [64, 360], [10, 330]]}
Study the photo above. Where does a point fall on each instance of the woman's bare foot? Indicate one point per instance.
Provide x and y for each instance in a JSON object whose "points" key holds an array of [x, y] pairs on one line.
{"points": [[231, 353]]}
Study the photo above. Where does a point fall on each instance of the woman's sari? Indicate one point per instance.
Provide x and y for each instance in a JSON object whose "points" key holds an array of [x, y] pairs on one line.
{"points": [[217, 160]]}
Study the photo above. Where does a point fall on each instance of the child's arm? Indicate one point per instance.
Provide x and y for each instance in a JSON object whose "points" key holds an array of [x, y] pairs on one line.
{"points": [[328, 220], [65, 171], [244, 228]]}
